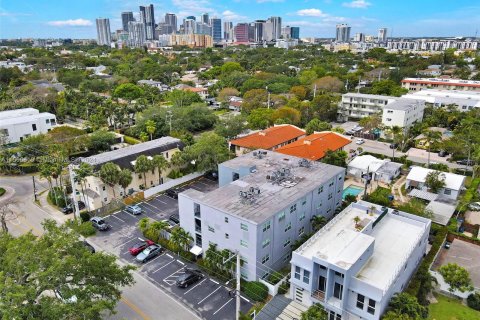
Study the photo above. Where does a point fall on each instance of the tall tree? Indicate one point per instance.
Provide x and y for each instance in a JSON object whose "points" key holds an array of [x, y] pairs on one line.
{"points": [[142, 166], [124, 179], [181, 238], [209, 150], [406, 304], [431, 138], [435, 180], [317, 125], [337, 158], [456, 277], [318, 222], [150, 127], [160, 163], [109, 174], [395, 131], [81, 173], [33, 268]]}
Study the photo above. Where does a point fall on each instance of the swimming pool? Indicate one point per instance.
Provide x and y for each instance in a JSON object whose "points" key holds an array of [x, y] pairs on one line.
{"points": [[353, 190]]}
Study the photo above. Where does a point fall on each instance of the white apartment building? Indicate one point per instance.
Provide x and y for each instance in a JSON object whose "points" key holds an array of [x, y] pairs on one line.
{"points": [[15, 125], [359, 260], [403, 112], [462, 100], [360, 105], [264, 204], [97, 193], [416, 84]]}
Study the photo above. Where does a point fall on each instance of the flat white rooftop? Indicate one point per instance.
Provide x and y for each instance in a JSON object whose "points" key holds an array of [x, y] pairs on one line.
{"points": [[452, 181], [8, 114], [25, 119], [394, 237]]}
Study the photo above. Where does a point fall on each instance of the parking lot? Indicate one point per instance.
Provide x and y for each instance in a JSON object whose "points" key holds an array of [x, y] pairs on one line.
{"points": [[209, 298]]}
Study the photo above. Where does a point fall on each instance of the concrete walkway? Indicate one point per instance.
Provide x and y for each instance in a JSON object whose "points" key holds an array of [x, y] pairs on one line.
{"points": [[52, 211], [397, 189]]}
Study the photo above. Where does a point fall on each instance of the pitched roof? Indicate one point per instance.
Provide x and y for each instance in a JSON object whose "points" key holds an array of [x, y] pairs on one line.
{"points": [[269, 138], [314, 146], [452, 181]]}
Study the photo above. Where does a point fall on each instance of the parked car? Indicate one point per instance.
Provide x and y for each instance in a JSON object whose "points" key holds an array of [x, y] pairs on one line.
{"points": [[149, 253], [447, 245], [140, 246], [475, 206], [173, 193], [69, 207], [393, 145], [99, 224], [442, 153], [466, 162], [189, 277], [360, 141], [134, 209], [174, 218]]}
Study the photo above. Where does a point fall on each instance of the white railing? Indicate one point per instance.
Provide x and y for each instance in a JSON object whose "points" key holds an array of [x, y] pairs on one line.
{"points": [[170, 184]]}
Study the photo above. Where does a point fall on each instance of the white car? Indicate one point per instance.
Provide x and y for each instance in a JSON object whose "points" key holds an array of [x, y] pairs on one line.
{"points": [[474, 206], [360, 141]]}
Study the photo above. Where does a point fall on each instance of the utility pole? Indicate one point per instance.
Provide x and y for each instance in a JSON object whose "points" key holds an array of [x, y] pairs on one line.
{"points": [[268, 99], [237, 309], [34, 188], [315, 91], [76, 211], [169, 119]]}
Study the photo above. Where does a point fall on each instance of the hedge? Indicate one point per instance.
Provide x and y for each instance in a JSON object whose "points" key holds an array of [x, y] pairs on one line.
{"points": [[130, 140], [85, 228], [473, 301], [255, 290]]}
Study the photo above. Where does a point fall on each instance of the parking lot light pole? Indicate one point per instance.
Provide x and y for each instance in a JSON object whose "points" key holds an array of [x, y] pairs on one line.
{"points": [[237, 309], [76, 211]]}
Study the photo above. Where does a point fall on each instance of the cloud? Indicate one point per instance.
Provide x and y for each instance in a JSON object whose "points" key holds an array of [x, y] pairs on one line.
{"points": [[311, 13], [229, 15], [357, 4], [70, 23]]}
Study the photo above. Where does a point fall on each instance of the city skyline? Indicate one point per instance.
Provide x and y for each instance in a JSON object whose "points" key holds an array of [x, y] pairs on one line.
{"points": [[62, 19]]}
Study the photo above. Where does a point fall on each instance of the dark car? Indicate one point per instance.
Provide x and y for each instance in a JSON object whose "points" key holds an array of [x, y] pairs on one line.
{"points": [[69, 207], [189, 277], [466, 162], [173, 193], [174, 219], [99, 224], [212, 175], [442, 153], [149, 253], [140, 246], [394, 146]]}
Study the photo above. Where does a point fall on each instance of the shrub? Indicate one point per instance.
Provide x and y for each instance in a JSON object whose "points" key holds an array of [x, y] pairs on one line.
{"points": [[275, 277], [473, 301], [379, 196], [2, 191], [57, 197], [85, 228], [130, 140], [283, 288], [255, 290], [175, 174], [85, 216]]}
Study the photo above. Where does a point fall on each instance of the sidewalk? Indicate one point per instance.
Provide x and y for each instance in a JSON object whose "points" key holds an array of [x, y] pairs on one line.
{"points": [[397, 189], [53, 212]]}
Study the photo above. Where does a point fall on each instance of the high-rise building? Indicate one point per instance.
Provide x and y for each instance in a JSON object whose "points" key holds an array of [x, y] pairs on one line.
{"points": [[147, 17], [359, 37], [136, 34], [241, 32], [251, 31], [268, 31], [171, 19], [343, 33], [104, 37], [259, 27], [126, 18], [189, 25], [216, 25], [205, 18], [295, 33], [202, 28], [382, 35], [228, 30], [163, 28], [276, 27]]}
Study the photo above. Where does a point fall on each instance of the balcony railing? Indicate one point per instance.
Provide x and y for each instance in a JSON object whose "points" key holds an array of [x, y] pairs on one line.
{"points": [[319, 295], [198, 229]]}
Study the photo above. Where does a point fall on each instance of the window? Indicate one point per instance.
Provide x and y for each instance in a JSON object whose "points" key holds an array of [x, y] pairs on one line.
{"points": [[323, 267], [103, 188], [281, 216], [338, 290], [243, 226], [447, 191], [286, 243], [227, 236], [226, 219], [320, 190], [319, 205], [266, 226], [211, 229], [322, 283], [306, 276], [297, 273], [330, 196], [34, 127], [293, 208], [371, 306], [301, 231], [389, 119], [265, 243], [331, 184], [302, 216], [339, 274], [304, 201], [244, 243], [360, 301], [166, 155], [288, 227], [265, 258]]}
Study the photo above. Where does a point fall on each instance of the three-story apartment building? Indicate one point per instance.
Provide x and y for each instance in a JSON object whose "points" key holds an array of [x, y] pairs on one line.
{"points": [[360, 105]]}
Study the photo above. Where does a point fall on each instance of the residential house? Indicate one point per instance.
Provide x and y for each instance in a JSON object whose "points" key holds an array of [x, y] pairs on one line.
{"points": [[382, 170], [16, 125], [156, 84], [454, 184]]}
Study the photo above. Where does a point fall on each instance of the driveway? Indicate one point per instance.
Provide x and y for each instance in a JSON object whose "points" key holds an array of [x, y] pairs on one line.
{"points": [[373, 146], [421, 156]]}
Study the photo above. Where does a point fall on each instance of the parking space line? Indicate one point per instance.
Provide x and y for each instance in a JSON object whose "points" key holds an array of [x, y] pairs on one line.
{"points": [[223, 306], [214, 281], [209, 295], [117, 217], [157, 198], [163, 266], [169, 255], [245, 299], [195, 286], [181, 262], [155, 258], [151, 205]]}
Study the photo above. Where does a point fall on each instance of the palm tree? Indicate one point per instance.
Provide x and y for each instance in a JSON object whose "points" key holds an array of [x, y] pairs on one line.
{"points": [[160, 163], [160, 227], [181, 238], [124, 179], [431, 137], [150, 128], [143, 136], [81, 174], [213, 257], [356, 220], [318, 222], [177, 160], [109, 174], [144, 224], [142, 166], [394, 131]]}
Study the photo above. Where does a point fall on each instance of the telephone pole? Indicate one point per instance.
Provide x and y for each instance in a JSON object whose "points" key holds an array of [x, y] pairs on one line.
{"points": [[34, 188], [237, 309]]}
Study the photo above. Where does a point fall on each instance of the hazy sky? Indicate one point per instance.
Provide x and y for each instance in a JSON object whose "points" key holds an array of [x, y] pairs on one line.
{"points": [[76, 18]]}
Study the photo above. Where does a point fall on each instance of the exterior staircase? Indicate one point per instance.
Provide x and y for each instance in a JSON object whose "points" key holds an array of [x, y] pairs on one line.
{"points": [[281, 308]]}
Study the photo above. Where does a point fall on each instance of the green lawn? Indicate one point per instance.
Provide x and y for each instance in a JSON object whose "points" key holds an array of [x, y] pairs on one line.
{"points": [[451, 309]]}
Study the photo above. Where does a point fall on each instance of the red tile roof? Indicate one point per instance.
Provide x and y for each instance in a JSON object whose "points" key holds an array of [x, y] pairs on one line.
{"points": [[314, 146], [269, 138]]}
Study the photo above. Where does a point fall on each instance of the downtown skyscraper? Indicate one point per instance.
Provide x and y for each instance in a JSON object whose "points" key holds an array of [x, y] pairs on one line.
{"points": [[343, 33], [216, 24], [126, 18], [171, 20], [147, 17], [103, 32]]}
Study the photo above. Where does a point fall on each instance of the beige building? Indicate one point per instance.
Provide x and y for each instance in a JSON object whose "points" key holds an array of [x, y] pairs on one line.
{"points": [[98, 194], [191, 40], [416, 84]]}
